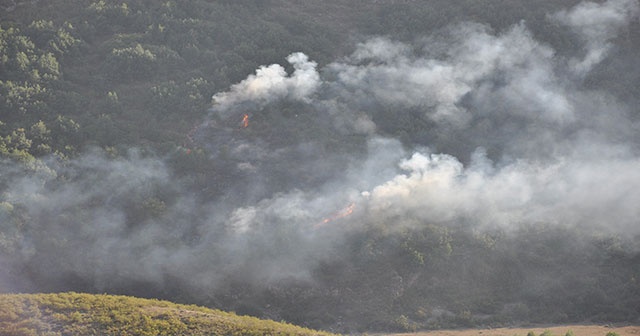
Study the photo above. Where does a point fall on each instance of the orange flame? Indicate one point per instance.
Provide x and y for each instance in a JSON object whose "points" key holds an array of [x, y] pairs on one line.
{"points": [[245, 121], [340, 214]]}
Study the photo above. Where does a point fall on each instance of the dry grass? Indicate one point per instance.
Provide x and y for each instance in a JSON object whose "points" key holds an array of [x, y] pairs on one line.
{"points": [[578, 330]]}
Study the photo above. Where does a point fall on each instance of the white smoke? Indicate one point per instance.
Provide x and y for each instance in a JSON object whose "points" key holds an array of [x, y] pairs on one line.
{"points": [[597, 24], [474, 65], [560, 158], [586, 192], [272, 82]]}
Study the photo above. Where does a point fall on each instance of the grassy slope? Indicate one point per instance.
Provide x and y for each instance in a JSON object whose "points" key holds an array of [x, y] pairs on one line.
{"points": [[87, 314], [566, 330]]}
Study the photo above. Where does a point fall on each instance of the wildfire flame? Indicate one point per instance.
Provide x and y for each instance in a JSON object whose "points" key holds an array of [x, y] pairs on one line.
{"points": [[245, 121], [340, 214]]}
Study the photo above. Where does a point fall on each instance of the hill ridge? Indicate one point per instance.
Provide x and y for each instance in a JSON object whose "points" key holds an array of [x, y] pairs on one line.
{"points": [[74, 313]]}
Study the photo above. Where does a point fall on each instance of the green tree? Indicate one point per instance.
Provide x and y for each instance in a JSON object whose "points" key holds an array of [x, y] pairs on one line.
{"points": [[41, 137], [49, 66], [130, 63]]}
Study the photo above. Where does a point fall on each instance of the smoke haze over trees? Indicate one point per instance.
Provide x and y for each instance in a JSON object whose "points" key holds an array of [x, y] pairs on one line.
{"points": [[347, 165]]}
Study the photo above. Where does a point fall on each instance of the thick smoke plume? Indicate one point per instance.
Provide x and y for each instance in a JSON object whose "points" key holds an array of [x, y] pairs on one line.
{"points": [[470, 126], [272, 82]]}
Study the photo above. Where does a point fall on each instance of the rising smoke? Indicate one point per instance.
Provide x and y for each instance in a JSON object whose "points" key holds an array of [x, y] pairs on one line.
{"points": [[491, 129]]}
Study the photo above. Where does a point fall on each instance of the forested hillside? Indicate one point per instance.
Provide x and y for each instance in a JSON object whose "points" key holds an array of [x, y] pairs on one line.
{"points": [[344, 165]]}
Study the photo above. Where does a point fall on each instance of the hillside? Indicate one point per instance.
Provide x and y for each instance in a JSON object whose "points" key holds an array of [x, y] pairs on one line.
{"points": [[344, 165], [85, 314], [565, 330]]}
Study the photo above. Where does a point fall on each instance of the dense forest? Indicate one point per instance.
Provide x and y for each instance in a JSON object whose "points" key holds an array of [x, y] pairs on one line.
{"points": [[344, 165]]}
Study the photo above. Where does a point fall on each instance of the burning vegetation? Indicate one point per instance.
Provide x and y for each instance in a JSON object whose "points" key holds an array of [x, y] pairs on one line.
{"points": [[245, 121], [347, 211]]}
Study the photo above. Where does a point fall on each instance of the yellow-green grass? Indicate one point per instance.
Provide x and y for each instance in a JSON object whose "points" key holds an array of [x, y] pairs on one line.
{"points": [[88, 314]]}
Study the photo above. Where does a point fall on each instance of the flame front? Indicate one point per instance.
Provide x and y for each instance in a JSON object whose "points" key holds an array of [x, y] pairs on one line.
{"points": [[245, 121], [341, 214]]}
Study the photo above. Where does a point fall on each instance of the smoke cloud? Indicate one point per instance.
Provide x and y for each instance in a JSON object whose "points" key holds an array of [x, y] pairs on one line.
{"points": [[597, 24], [272, 82], [521, 140]]}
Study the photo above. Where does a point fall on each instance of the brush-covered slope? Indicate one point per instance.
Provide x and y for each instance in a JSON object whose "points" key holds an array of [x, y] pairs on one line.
{"points": [[87, 314]]}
